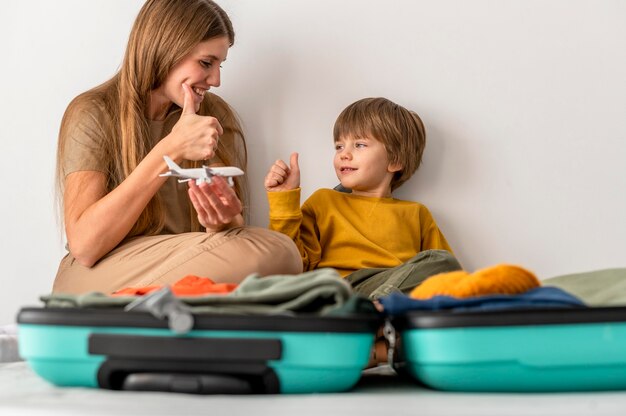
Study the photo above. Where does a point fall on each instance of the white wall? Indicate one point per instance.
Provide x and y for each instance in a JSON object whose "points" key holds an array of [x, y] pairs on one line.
{"points": [[524, 103]]}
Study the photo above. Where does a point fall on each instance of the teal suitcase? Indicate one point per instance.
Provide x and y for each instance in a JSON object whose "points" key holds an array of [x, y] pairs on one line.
{"points": [[533, 350], [225, 354]]}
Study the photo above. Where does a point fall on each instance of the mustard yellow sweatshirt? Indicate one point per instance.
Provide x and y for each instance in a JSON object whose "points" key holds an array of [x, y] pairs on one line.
{"points": [[349, 232]]}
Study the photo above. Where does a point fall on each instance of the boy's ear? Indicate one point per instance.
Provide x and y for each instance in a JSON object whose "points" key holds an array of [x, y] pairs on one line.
{"points": [[394, 167]]}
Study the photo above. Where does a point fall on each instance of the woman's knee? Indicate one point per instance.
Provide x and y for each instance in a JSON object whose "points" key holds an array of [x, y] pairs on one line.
{"points": [[258, 250], [276, 253]]}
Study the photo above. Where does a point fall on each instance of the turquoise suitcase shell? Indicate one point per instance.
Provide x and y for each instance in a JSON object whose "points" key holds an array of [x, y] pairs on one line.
{"points": [[235, 354], [516, 351]]}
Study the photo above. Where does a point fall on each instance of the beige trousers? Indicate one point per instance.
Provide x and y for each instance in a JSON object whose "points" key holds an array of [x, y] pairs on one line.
{"points": [[227, 256]]}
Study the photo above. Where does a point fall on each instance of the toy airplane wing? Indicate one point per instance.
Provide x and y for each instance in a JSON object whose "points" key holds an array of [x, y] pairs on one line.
{"points": [[203, 174], [228, 171]]}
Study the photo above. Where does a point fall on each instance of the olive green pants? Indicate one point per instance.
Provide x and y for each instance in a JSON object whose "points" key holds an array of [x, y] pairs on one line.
{"points": [[375, 283]]}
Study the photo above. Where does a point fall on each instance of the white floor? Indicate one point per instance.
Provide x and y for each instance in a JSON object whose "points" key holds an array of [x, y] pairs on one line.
{"points": [[379, 393]]}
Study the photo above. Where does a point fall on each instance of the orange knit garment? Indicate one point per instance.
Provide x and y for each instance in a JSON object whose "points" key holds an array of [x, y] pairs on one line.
{"points": [[499, 279], [187, 286]]}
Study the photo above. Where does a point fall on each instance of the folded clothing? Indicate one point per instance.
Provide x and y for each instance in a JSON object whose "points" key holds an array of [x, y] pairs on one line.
{"points": [[321, 292], [498, 279], [397, 304], [606, 287], [189, 285], [8, 344]]}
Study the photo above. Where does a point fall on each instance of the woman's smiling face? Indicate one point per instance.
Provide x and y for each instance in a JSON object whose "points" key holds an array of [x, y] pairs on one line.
{"points": [[200, 69]]}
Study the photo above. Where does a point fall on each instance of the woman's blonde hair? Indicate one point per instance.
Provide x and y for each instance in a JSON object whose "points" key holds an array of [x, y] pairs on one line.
{"points": [[163, 33], [400, 130]]}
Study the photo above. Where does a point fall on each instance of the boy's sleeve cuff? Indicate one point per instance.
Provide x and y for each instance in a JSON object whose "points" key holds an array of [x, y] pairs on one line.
{"points": [[284, 203]]}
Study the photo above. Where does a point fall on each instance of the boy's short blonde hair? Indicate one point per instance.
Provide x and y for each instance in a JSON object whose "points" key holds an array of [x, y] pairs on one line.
{"points": [[400, 130]]}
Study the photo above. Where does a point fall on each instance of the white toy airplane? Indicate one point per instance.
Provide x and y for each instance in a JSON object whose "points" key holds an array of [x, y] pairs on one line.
{"points": [[203, 174]]}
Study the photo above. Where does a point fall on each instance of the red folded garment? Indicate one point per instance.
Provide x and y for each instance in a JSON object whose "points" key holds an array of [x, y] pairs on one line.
{"points": [[187, 286]]}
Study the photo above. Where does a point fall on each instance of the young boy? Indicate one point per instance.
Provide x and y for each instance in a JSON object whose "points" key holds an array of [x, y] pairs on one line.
{"points": [[378, 243]]}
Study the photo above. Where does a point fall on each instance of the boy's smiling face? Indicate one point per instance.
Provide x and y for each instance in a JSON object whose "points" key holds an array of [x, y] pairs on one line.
{"points": [[361, 164]]}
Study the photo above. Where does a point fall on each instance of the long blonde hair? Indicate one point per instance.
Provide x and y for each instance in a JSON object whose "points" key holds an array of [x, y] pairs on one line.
{"points": [[164, 32]]}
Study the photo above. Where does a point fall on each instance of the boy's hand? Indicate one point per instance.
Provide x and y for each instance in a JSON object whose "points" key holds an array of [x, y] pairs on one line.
{"points": [[282, 177]]}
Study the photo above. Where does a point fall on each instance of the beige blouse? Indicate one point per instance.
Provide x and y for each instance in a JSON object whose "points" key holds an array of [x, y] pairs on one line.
{"points": [[85, 148]]}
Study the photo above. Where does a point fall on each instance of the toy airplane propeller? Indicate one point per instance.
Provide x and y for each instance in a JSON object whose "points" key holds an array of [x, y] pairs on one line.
{"points": [[203, 174]]}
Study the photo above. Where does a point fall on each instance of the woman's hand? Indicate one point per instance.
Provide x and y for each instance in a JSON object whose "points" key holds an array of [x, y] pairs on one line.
{"points": [[216, 203], [195, 137], [282, 177]]}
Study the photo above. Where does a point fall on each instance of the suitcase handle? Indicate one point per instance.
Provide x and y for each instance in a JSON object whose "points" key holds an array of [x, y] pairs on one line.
{"points": [[188, 376], [187, 383], [190, 365], [165, 347]]}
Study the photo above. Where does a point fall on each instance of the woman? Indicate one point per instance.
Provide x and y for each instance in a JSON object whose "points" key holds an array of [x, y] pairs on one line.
{"points": [[126, 225]]}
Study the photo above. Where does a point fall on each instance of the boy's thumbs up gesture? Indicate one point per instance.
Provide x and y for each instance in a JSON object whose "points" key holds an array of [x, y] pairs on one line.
{"points": [[282, 177], [197, 136]]}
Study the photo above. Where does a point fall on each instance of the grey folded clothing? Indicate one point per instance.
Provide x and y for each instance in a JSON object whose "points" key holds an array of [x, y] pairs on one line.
{"points": [[322, 291], [595, 288], [8, 344]]}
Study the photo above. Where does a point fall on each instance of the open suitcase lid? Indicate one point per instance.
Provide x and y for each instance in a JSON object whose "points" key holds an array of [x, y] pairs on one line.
{"points": [[512, 317], [220, 354], [97, 317]]}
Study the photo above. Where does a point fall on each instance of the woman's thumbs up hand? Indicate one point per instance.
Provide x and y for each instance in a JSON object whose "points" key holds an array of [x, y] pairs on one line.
{"points": [[195, 136]]}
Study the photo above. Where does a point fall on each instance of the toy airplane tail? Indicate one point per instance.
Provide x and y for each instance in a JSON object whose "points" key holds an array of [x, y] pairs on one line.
{"points": [[174, 168]]}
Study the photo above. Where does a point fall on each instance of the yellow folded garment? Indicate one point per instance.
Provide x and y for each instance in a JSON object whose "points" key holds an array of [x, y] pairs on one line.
{"points": [[499, 279]]}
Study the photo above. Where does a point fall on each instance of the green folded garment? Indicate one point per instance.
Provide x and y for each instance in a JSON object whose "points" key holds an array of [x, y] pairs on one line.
{"points": [[321, 292], [595, 288]]}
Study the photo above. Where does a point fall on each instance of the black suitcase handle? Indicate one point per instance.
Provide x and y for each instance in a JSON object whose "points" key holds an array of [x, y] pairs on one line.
{"points": [[188, 383], [137, 346], [189, 365]]}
